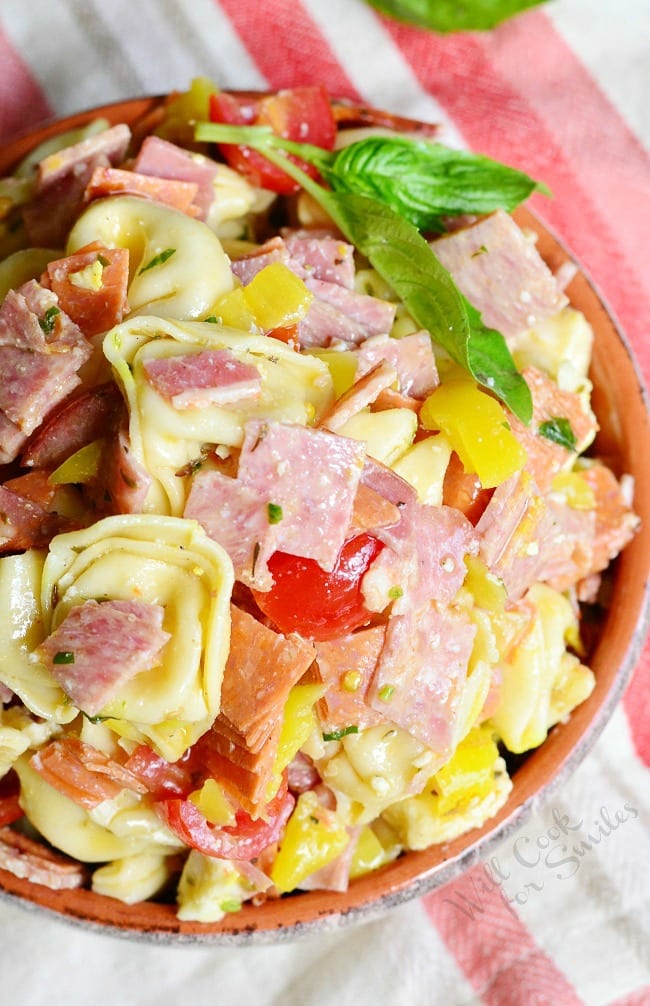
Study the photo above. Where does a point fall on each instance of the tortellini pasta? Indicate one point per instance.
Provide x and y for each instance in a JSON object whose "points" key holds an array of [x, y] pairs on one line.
{"points": [[294, 389], [133, 878], [178, 267], [209, 888], [161, 560]]}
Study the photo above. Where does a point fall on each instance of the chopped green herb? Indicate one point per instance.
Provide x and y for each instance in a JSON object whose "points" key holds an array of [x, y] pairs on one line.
{"points": [[275, 513], [256, 554], [395, 593], [158, 260], [63, 657], [47, 321], [314, 820], [385, 692], [96, 719], [213, 320], [230, 905], [336, 735], [558, 429]]}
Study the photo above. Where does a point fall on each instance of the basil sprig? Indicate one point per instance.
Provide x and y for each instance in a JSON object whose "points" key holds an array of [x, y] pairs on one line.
{"points": [[450, 15], [425, 182], [399, 253]]}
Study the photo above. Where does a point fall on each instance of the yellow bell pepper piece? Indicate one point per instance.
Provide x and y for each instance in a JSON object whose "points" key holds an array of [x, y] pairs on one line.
{"points": [[277, 297], [188, 107], [369, 853], [342, 367], [213, 804], [486, 588], [478, 429], [233, 310], [313, 837], [575, 489], [80, 467], [469, 773], [298, 723]]}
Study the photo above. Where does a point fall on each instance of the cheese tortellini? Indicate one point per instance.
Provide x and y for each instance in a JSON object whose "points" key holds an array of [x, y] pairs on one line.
{"points": [[160, 560]]}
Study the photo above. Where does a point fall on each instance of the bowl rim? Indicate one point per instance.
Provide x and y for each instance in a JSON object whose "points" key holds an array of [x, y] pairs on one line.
{"points": [[415, 873]]}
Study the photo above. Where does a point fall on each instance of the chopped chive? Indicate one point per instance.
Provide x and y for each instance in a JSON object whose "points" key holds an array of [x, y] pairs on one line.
{"points": [[558, 429], [63, 657], [47, 321], [275, 513], [336, 735], [395, 593], [385, 692], [158, 260], [213, 320], [230, 905]]}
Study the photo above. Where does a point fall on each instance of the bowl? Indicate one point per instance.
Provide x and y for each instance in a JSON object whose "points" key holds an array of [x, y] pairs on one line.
{"points": [[619, 400]]}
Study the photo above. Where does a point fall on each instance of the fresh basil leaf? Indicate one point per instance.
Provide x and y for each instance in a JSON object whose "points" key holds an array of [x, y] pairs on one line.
{"points": [[425, 182], [399, 253], [452, 15], [558, 429]]}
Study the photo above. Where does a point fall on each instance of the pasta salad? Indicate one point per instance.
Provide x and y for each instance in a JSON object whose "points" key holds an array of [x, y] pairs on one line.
{"points": [[296, 520]]}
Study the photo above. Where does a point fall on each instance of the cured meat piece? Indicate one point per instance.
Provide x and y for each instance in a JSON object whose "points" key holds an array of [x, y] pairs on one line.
{"points": [[302, 774], [512, 533], [312, 477], [232, 515], [99, 647], [463, 491], [325, 324], [33, 861], [346, 666], [420, 674], [246, 775], [74, 425], [61, 183], [424, 559], [411, 356], [501, 273], [91, 286], [387, 483], [12, 439], [550, 404], [123, 482], [195, 380], [274, 250], [262, 667], [162, 159], [372, 510], [616, 523], [24, 523], [38, 372], [363, 392], [82, 772], [322, 256], [568, 549], [116, 181], [372, 315]]}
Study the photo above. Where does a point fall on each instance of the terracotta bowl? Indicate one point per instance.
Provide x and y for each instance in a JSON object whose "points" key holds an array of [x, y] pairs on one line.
{"points": [[620, 403]]}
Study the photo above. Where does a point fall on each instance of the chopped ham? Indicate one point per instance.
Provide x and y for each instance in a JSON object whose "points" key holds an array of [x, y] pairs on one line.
{"points": [[246, 267], [411, 356], [424, 559], [61, 182], [38, 372], [123, 482], [302, 774], [373, 315], [363, 392], [322, 256], [33, 861], [324, 325], [372, 510], [210, 377], [346, 666], [231, 514], [91, 286], [512, 530], [421, 671], [97, 648], [162, 159], [12, 439], [545, 457], [74, 425], [501, 273], [117, 181], [24, 523], [82, 772], [568, 548], [616, 523], [262, 667], [387, 483], [312, 476]]}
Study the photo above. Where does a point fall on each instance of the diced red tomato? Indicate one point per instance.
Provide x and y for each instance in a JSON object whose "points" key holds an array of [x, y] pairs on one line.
{"points": [[463, 490], [320, 605], [10, 809], [303, 114], [93, 310], [244, 840]]}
